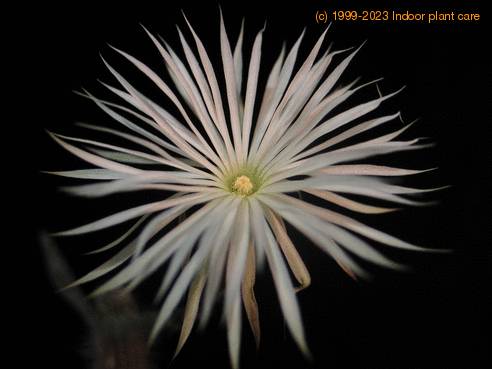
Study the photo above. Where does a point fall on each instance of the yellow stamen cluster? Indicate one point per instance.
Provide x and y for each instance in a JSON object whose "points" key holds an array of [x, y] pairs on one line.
{"points": [[242, 185]]}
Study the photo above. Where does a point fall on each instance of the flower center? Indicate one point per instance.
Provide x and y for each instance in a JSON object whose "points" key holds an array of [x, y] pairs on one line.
{"points": [[242, 185], [243, 181]]}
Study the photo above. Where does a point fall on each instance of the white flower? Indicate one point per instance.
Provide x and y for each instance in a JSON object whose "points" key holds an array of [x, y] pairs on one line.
{"points": [[236, 174]]}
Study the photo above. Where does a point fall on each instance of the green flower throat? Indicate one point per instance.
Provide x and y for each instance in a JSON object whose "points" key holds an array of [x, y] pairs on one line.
{"points": [[244, 182]]}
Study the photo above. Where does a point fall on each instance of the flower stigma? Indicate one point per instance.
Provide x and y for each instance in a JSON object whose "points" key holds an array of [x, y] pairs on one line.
{"points": [[242, 186]]}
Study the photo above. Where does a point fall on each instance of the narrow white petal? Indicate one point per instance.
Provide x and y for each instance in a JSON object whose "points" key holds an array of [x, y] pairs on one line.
{"points": [[342, 119], [348, 203], [238, 59], [158, 253], [197, 102], [214, 128], [369, 170], [214, 86], [181, 284], [120, 239], [150, 110], [325, 242], [248, 294], [94, 159], [254, 67], [271, 85], [138, 154], [283, 284], [289, 250], [351, 224], [155, 225], [231, 87], [199, 77], [294, 108], [320, 161], [123, 157], [178, 260], [99, 174], [306, 133], [279, 90], [105, 106], [109, 265], [358, 247], [189, 271], [359, 128], [359, 185], [300, 133], [184, 81], [161, 180], [237, 254], [296, 82], [333, 78], [343, 238], [217, 261], [191, 309], [173, 161], [233, 320], [135, 212], [296, 86]]}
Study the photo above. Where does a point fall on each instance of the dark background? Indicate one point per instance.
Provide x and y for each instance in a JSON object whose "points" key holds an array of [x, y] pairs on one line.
{"points": [[435, 317]]}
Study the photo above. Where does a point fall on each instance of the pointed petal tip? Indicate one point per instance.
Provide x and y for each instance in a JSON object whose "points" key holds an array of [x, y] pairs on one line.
{"points": [[180, 33], [429, 170], [221, 15], [143, 27], [336, 52], [106, 64], [374, 81], [178, 349], [64, 289], [185, 18], [119, 51], [51, 134], [438, 188], [79, 93], [149, 34], [413, 247], [67, 190], [92, 252], [152, 337], [69, 286], [94, 294], [390, 210], [306, 352], [329, 26], [264, 26], [437, 251], [202, 324], [104, 84], [176, 353], [60, 233]]}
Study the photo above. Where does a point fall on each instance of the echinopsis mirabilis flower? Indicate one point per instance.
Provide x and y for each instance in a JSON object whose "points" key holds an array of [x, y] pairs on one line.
{"points": [[236, 176]]}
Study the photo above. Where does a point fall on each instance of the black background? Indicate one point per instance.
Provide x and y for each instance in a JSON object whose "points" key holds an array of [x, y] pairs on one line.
{"points": [[435, 317]]}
